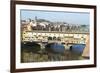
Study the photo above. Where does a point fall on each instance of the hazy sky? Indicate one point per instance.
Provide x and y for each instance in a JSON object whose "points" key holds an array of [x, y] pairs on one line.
{"points": [[69, 17]]}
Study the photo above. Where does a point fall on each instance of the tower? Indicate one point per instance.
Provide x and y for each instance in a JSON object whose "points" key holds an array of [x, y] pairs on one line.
{"points": [[35, 20]]}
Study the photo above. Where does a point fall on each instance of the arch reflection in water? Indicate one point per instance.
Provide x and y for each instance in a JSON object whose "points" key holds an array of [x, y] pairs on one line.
{"points": [[32, 52]]}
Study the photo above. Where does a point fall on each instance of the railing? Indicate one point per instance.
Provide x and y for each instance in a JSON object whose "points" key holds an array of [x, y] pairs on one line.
{"points": [[64, 32]]}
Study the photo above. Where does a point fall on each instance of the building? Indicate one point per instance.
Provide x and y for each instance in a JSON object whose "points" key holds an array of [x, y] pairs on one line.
{"points": [[42, 36]]}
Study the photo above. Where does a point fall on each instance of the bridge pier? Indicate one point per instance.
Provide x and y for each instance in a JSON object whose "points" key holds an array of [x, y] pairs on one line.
{"points": [[42, 45]]}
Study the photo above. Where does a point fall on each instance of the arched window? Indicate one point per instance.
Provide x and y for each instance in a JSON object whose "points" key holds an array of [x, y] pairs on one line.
{"points": [[59, 38], [49, 38], [54, 38]]}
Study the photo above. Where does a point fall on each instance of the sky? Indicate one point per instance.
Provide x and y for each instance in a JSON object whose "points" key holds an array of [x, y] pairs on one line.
{"points": [[54, 16]]}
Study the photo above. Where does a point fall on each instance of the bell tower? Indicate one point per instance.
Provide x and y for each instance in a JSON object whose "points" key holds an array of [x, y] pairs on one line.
{"points": [[35, 20]]}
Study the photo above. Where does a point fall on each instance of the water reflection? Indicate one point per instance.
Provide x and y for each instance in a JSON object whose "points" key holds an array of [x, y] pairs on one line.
{"points": [[32, 52]]}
